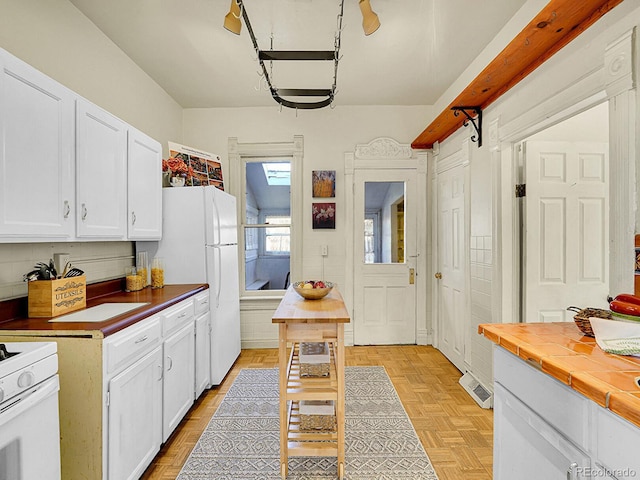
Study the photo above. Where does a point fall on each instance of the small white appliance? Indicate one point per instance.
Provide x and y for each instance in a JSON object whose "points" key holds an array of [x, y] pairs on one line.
{"points": [[29, 419], [200, 245]]}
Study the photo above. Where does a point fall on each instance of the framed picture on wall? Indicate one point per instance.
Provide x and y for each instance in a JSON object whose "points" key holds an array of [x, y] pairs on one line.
{"points": [[324, 183], [324, 215]]}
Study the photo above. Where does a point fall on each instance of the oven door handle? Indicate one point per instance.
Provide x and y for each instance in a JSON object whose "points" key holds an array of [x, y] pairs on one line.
{"points": [[17, 405]]}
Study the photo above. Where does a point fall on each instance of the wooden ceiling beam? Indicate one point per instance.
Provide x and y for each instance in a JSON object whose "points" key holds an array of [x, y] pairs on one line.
{"points": [[556, 25]]}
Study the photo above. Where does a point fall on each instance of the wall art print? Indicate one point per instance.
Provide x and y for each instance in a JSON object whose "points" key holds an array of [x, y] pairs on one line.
{"points": [[324, 183], [324, 215], [202, 168]]}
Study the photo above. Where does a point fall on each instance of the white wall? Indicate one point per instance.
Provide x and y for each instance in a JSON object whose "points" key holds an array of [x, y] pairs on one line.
{"points": [[55, 38], [572, 76], [328, 134]]}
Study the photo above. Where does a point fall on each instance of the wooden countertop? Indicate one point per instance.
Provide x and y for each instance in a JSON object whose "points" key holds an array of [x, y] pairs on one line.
{"points": [[157, 299], [563, 352], [295, 309]]}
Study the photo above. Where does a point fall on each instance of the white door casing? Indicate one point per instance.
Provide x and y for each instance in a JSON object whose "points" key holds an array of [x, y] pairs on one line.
{"points": [[386, 154], [566, 254], [451, 263]]}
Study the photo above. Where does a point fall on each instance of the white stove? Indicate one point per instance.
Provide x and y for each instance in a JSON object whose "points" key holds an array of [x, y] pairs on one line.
{"points": [[24, 364], [29, 420]]}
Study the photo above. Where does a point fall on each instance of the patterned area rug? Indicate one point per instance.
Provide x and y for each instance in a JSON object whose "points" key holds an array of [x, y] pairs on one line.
{"points": [[242, 440]]}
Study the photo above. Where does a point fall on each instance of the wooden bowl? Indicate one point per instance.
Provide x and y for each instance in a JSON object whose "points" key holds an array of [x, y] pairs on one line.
{"points": [[312, 293]]}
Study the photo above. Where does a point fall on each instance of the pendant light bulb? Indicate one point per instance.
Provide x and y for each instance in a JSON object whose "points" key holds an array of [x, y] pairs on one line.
{"points": [[232, 19], [370, 20]]}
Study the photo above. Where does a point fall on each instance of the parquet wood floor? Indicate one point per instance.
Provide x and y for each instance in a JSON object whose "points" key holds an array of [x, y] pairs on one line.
{"points": [[456, 433]]}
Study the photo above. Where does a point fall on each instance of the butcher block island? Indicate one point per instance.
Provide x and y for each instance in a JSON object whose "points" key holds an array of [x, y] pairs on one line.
{"points": [[563, 408], [126, 379], [310, 321]]}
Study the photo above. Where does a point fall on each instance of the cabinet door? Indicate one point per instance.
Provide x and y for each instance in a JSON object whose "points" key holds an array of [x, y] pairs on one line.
{"points": [[135, 417], [528, 448], [178, 394], [203, 332], [101, 173], [144, 165], [616, 445], [36, 154]]}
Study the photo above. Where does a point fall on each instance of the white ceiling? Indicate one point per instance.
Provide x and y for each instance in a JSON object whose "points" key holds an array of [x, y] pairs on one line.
{"points": [[420, 49]]}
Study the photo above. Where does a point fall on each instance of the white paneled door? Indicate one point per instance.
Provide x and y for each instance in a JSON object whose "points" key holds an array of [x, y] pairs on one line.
{"points": [[451, 275], [567, 228], [384, 284]]}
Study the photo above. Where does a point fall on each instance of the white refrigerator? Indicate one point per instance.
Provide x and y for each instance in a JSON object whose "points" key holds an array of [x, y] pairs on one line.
{"points": [[200, 245]]}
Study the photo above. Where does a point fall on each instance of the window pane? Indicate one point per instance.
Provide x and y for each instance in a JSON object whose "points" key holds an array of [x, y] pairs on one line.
{"points": [[277, 239], [384, 222], [267, 224]]}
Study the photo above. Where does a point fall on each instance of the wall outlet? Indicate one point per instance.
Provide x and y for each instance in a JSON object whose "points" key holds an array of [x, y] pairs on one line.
{"points": [[324, 250]]}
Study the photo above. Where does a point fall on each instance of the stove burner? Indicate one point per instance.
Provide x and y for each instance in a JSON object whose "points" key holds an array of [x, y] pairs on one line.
{"points": [[4, 355]]}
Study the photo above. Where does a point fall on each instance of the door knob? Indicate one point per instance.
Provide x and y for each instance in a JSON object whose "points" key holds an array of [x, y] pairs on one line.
{"points": [[438, 275]]}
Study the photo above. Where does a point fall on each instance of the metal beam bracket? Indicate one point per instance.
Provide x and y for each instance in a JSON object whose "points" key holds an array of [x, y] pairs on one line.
{"points": [[476, 120]]}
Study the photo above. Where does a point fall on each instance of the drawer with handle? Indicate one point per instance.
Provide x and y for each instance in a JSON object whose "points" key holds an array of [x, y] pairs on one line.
{"points": [[131, 343], [176, 316], [202, 302]]}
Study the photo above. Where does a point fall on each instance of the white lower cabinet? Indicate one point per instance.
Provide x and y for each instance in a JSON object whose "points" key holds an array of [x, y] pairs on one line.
{"points": [[527, 447], [149, 372], [544, 429], [178, 393], [135, 417]]}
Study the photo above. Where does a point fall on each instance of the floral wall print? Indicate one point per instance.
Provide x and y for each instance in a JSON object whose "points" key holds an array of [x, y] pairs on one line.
{"points": [[324, 183], [324, 215], [203, 168]]}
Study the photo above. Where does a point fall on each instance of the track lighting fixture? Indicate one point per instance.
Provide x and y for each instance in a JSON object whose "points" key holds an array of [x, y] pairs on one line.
{"points": [[324, 96], [232, 19], [370, 20]]}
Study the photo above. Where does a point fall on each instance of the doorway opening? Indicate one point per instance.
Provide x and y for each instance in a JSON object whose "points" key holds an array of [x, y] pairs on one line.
{"points": [[564, 217]]}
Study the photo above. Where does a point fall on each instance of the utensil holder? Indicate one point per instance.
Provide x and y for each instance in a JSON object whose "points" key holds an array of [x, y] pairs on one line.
{"points": [[51, 298]]}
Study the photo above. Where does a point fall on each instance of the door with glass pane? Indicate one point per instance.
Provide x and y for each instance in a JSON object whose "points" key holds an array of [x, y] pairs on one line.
{"points": [[385, 254]]}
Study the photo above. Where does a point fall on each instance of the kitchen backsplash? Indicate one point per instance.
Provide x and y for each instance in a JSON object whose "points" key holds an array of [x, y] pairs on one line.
{"points": [[99, 260]]}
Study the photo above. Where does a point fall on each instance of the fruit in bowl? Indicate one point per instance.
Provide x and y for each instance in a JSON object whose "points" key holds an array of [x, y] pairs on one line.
{"points": [[312, 289]]}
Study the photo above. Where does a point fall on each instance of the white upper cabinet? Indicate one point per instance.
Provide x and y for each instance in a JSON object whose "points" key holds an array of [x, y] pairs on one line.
{"points": [[69, 169], [101, 173], [145, 192], [36, 154]]}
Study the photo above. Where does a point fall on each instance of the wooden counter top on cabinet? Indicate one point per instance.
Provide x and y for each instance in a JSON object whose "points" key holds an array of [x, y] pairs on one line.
{"points": [[14, 320], [561, 351]]}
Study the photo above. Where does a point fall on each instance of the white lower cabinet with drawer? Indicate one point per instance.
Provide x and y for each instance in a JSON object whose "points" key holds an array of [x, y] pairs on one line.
{"points": [[543, 429], [149, 376]]}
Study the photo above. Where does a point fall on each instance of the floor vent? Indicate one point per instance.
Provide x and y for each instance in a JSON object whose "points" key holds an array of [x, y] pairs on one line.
{"points": [[478, 392]]}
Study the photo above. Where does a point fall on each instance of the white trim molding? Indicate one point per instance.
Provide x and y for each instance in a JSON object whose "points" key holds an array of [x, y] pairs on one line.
{"points": [[387, 153]]}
